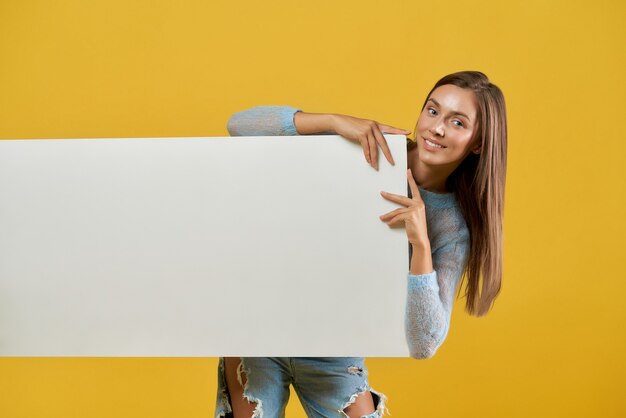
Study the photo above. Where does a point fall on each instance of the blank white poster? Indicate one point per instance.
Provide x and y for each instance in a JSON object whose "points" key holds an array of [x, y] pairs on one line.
{"points": [[247, 246]]}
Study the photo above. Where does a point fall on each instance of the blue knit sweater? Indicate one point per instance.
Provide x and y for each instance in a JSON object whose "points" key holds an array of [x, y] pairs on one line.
{"points": [[430, 296]]}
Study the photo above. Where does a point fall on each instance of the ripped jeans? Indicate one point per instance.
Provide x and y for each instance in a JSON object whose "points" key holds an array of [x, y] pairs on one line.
{"points": [[325, 386]]}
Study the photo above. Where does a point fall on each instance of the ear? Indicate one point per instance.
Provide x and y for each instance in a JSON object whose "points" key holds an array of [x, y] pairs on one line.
{"points": [[477, 143]]}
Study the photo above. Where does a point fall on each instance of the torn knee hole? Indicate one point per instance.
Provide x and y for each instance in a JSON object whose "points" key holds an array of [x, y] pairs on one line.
{"points": [[241, 375], [355, 370], [356, 404], [243, 381]]}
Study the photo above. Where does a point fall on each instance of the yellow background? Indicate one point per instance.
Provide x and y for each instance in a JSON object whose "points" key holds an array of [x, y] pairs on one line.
{"points": [[553, 344]]}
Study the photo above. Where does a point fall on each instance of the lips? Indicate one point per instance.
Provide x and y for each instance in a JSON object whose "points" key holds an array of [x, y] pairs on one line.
{"points": [[433, 144]]}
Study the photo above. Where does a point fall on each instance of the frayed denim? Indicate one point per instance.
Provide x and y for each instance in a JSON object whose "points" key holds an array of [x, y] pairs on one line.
{"points": [[326, 386]]}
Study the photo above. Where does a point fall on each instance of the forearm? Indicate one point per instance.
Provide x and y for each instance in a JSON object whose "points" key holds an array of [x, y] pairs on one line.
{"points": [[430, 295], [426, 318], [421, 259], [426, 321], [314, 123]]}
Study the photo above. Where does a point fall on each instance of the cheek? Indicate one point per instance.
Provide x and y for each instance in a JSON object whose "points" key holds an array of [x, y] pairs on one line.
{"points": [[460, 143], [465, 143]]}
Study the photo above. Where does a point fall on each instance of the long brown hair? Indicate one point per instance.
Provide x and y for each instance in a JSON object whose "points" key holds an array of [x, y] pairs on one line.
{"points": [[478, 184]]}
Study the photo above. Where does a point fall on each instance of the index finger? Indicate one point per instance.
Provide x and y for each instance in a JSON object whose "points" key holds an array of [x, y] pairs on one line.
{"points": [[383, 146], [391, 130], [413, 185]]}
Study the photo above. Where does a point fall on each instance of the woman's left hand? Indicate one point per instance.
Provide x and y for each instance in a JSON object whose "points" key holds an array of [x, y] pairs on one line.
{"points": [[413, 213]]}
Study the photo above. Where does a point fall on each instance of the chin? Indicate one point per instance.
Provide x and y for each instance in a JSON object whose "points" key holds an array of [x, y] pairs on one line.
{"points": [[430, 157]]}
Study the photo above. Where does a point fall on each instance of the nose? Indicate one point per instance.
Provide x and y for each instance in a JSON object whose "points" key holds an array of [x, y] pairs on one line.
{"points": [[437, 127]]}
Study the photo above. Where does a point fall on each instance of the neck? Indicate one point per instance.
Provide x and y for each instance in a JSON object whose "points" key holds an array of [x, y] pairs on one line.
{"points": [[429, 177]]}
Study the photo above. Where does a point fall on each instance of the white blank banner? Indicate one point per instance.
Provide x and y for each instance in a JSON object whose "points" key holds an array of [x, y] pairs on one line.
{"points": [[248, 246]]}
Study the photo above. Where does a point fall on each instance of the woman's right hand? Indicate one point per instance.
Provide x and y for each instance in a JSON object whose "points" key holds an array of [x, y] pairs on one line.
{"points": [[369, 134], [366, 132]]}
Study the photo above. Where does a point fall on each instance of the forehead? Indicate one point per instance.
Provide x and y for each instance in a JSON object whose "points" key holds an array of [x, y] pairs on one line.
{"points": [[454, 99]]}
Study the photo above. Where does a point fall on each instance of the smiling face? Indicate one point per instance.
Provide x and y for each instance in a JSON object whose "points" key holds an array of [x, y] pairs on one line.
{"points": [[446, 127]]}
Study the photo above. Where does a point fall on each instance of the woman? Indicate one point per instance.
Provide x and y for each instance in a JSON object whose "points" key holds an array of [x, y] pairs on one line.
{"points": [[453, 221]]}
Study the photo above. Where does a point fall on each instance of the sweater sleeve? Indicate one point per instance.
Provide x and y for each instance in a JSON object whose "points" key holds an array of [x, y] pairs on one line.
{"points": [[263, 121], [430, 298]]}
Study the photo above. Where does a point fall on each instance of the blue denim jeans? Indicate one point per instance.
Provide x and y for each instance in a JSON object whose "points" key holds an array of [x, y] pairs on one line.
{"points": [[325, 385]]}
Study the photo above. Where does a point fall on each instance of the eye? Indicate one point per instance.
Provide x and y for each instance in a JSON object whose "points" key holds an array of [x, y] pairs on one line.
{"points": [[458, 123], [432, 111]]}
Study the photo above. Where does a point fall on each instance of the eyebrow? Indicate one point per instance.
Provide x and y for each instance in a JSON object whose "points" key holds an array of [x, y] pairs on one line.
{"points": [[456, 112]]}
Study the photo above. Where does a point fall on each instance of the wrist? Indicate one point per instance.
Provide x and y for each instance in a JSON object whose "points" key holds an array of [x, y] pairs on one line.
{"points": [[329, 122], [420, 243]]}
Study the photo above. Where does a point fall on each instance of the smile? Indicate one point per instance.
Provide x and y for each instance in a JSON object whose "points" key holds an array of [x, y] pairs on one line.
{"points": [[432, 144]]}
